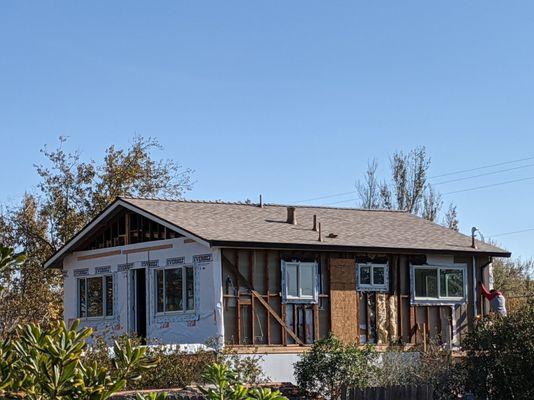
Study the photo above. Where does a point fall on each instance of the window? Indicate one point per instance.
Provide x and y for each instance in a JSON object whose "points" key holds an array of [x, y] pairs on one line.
{"points": [[372, 277], [95, 297], [439, 283], [299, 282], [175, 290]]}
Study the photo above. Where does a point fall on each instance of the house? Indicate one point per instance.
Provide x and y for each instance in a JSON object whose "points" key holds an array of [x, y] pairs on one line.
{"points": [[272, 278]]}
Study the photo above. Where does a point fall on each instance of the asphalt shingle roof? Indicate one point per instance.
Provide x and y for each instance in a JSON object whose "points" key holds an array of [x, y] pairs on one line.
{"points": [[249, 225]]}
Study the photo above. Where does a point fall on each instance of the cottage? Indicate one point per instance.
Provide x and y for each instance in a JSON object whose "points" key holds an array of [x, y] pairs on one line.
{"points": [[272, 278]]}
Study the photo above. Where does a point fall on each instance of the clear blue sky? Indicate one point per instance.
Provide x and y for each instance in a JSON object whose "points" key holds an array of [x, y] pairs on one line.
{"points": [[285, 98]]}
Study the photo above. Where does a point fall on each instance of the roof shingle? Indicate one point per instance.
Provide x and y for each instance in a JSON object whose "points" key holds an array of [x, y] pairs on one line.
{"points": [[249, 224]]}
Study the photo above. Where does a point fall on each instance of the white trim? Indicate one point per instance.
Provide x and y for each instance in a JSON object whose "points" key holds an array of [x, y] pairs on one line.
{"points": [[439, 300], [184, 290], [104, 297], [112, 207], [286, 298], [372, 287]]}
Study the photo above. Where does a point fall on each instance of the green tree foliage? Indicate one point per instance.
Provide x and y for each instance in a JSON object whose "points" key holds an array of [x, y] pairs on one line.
{"points": [[407, 188], [41, 364], [9, 261], [331, 365], [500, 357], [222, 383], [70, 193], [514, 279]]}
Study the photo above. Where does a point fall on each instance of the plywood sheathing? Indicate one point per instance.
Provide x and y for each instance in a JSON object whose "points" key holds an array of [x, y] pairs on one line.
{"points": [[343, 300]]}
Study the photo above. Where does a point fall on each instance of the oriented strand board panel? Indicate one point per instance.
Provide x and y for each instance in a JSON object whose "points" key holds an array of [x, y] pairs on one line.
{"points": [[343, 299]]}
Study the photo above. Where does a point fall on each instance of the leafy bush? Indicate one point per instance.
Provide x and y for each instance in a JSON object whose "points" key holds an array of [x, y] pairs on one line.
{"points": [[331, 366], [48, 364], [434, 366], [500, 356], [246, 367], [176, 368], [223, 384]]}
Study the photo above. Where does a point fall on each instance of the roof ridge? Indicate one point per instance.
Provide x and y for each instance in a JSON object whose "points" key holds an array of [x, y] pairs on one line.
{"points": [[243, 203]]}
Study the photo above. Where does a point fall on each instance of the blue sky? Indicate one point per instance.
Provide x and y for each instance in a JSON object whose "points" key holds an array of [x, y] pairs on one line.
{"points": [[289, 99]]}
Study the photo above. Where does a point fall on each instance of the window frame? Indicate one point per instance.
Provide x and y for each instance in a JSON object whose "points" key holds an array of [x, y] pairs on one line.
{"points": [[183, 268], [372, 287], [103, 277], [439, 300], [300, 299]]}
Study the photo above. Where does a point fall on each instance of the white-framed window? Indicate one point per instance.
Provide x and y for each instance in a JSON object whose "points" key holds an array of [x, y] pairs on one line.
{"points": [[175, 290], [95, 296], [439, 283], [299, 282], [372, 277]]}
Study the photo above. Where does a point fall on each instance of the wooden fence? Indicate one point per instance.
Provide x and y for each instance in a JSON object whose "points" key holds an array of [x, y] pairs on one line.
{"points": [[411, 392]]}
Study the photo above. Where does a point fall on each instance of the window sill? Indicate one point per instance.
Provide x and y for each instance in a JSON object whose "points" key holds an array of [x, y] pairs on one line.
{"points": [[174, 313], [437, 301], [110, 317], [372, 289], [299, 301]]}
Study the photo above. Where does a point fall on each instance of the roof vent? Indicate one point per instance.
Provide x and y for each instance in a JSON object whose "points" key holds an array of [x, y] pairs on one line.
{"points": [[291, 217]]}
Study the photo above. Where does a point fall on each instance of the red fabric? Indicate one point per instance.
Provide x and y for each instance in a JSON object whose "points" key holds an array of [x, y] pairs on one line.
{"points": [[487, 294]]}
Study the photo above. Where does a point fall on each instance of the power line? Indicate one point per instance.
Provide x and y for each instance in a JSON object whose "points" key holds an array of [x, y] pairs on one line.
{"points": [[342, 201], [512, 232], [459, 191], [482, 167], [484, 174], [491, 185], [440, 183], [325, 197]]}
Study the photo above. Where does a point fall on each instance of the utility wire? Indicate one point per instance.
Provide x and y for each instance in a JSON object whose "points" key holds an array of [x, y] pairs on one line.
{"points": [[325, 197], [483, 174], [491, 185], [444, 182], [512, 232], [458, 191], [482, 167]]}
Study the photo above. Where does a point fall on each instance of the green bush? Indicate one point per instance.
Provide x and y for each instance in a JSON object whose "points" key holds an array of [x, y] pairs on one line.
{"points": [[222, 383], [176, 368], [500, 356], [44, 364], [434, 367], [330, 366], [246, 367]]}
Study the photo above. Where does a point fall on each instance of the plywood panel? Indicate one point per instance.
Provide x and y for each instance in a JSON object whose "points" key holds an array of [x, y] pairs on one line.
{"points": [[343, 299]]}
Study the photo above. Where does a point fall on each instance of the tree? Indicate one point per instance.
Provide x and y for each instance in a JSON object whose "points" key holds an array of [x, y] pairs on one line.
{"points": [[451, 218], [9, 261], [514, 279], [70, 193], [407, 188], [369, 189]]}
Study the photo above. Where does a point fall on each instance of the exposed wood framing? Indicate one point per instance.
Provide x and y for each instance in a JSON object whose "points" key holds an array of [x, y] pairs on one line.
{"points": [[383, 317], [259, 297]]}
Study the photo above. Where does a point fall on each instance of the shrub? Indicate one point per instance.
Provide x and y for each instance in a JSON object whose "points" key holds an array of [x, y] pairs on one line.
{"points": [[500, 356], [330, 366], [47, 364], [176, 368], [434, 367], [246, 367], [223, 384]]}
